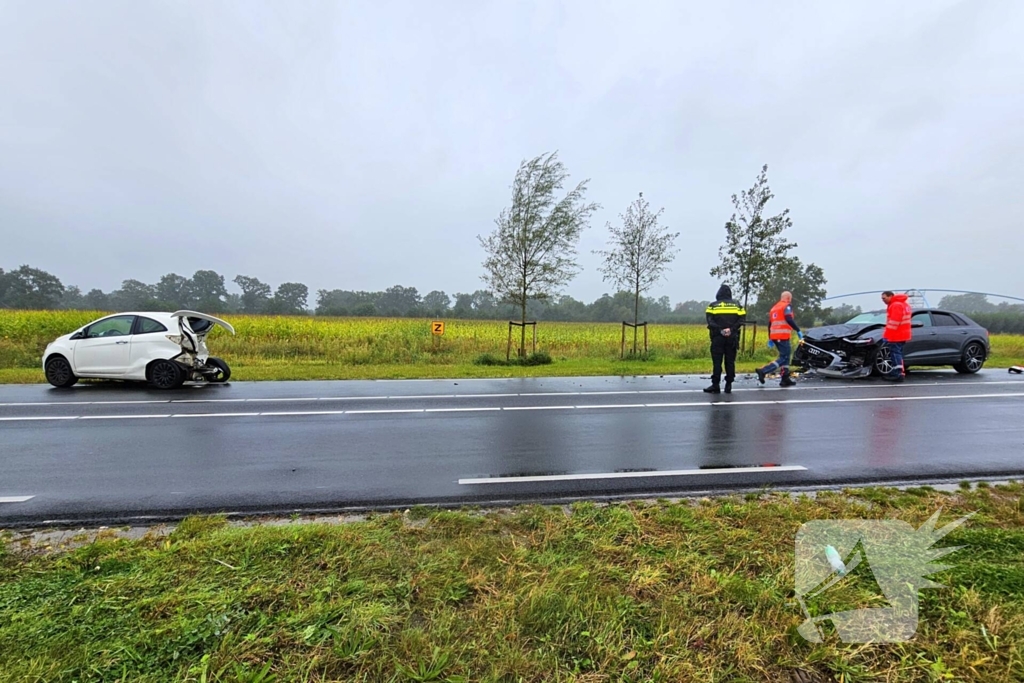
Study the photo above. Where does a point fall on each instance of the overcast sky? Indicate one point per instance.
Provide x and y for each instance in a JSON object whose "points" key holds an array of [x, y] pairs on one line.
{"points": [[358, 145]]}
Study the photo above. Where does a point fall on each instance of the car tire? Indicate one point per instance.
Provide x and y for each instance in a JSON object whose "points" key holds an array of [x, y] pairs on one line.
{"points": [[972, 360], [881, 364], [165, 374], [59, 373], [225, 372]]}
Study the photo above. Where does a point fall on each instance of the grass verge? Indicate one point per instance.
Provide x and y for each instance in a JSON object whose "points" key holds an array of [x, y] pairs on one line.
{"points": [[697, 590], [311, 348]]}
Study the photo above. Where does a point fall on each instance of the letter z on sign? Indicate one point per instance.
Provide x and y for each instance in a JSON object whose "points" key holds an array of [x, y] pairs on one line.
{"points": [[437, 327]]}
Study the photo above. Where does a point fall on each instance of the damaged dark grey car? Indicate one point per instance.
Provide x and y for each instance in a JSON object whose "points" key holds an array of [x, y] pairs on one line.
{"points": [[855, 349]]}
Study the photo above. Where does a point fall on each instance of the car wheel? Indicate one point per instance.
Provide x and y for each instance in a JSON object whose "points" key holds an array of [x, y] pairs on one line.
{"points": [[973, 359], [59, 373], [883, 362], [224, 373], [165, 374]]}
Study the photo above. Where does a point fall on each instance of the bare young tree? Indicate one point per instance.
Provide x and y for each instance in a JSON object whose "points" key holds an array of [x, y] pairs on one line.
{"points": [[640, 251], [531, 253], [754, 246]]}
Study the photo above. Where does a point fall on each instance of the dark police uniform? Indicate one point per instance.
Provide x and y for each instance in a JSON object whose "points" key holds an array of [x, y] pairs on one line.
{"points": [[724, 314]]}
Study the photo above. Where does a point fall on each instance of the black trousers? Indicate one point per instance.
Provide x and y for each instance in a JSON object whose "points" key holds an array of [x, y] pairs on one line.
{"points": [[724, 349]]}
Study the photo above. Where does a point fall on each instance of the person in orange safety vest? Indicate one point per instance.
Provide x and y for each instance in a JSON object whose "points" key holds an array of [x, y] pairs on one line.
{"points": [[897, 331], [781, 326]]}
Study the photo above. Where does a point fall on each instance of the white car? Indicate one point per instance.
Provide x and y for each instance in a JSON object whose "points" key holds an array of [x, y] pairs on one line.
{"points": [[164, 349]]}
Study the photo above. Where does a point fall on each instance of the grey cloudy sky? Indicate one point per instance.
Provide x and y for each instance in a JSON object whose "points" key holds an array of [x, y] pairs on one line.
{"points": [[358, 145]]}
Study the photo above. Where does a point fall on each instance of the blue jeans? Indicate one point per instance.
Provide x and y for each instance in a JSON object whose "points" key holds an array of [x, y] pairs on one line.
{"points": [[784, 348], [896, 351]]}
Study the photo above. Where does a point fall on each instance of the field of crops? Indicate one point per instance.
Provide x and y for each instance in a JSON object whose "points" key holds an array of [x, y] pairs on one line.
{"points": [[308, 347]]}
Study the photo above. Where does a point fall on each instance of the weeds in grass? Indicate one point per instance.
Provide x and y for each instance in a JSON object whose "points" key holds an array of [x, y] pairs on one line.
{"points": [[667, 591]]}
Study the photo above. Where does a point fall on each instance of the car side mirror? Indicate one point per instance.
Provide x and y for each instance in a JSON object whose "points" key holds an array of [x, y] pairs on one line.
{"points": [[78, 335], [917, 324]]}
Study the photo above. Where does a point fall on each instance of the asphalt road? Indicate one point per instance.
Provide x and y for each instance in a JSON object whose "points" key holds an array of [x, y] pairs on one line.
{"points": [[113, 452]]}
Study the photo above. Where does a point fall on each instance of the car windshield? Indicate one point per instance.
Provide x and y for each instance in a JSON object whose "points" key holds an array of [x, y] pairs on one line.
{"points": [[869, 318]]}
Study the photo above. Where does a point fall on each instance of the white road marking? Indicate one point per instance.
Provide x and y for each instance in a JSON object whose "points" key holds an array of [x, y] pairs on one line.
{"points": [[119, 417], [216, 415], [904, 387], [616, 405], [15, 499], [539, 408], [386, 411], [303, 412], [624, 475]]}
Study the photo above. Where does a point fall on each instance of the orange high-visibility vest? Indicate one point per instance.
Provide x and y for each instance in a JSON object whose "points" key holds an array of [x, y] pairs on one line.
{"points": [[898, 318], [779, 329]]}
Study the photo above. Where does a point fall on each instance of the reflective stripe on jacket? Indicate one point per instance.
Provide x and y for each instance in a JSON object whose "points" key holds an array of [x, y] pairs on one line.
{"points": [[779, 329], [897, 323]]}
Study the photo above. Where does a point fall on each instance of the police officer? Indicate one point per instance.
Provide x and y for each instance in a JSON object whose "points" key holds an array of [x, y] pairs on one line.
{"points": [[725, 317], [781, 326]]}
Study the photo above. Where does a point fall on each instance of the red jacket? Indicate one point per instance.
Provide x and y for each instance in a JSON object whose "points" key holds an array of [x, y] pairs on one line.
{"points": [[897, 323]]}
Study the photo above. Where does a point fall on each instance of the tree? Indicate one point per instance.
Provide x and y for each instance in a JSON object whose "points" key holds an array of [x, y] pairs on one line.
{"points": [[640, 253], [754, 246], [255, 294], [531, 253], [31, 288], [968, 303], [206, 291], [173, 291], [133, 296], [290, 299], [437, 303], [72, 299], [806, 283], [96, 300], [399, 301]]}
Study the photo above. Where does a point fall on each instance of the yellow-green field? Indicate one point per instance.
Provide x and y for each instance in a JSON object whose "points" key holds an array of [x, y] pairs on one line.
{"points": [[282, 348]]}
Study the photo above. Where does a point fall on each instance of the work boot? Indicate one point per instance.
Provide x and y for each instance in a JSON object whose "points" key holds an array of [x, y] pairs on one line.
{"points": [[728, 387], [713, 389], [787, 381], [760, 375]]}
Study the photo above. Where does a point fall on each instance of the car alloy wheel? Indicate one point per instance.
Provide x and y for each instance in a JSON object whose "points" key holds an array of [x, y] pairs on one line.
{"points": [[165, 374], [974, 357], [59, 374], [883, 361]]}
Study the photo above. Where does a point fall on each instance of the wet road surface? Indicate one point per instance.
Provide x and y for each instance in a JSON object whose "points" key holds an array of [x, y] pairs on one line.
{"points": [[110, 452]]}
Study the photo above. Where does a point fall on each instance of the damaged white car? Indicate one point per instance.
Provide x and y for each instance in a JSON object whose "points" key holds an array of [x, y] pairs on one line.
{"points": [[164, 349]]}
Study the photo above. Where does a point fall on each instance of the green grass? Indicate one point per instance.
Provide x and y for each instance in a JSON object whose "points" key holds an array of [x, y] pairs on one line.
{"points": [[306, 348], [690, 591]]}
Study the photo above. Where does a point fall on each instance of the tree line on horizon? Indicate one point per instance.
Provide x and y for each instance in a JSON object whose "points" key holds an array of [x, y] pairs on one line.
{"points": [[530, 257]]}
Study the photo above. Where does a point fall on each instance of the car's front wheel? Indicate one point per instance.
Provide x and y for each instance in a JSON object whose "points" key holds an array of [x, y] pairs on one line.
{"points": [[972, 360], [165, 374], [59, 372], [884, 364], [223, 371]]}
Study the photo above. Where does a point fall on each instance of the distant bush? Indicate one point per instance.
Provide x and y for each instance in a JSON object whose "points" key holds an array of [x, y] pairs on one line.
{"points": [[538, 358], [1000, 323]]}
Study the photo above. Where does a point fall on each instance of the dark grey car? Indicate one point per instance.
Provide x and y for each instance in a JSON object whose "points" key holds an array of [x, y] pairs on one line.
{"points": [[854, 349]]}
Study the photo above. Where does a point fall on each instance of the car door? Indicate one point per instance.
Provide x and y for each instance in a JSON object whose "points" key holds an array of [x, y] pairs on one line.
{"points": [[950, 336], [921, 346], [149, 341], [105, 347]]}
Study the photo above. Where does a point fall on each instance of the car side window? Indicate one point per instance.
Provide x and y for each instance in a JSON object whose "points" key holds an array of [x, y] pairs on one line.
{"points": [[923, 317], [944, 320], [149, 326], [118, 326]]}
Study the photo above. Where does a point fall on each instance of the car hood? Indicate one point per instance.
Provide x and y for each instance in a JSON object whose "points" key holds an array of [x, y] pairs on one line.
{"points": [[202, 316], [829, 332]]}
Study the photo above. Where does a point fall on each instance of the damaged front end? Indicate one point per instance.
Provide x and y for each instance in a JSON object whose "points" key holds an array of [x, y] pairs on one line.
{"points": [[194, 359], [838, 351]]}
